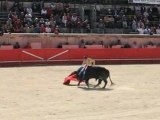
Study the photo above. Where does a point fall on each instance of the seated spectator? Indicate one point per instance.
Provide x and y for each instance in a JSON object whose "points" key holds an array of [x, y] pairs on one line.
{"points": [[32, 29], [27, 46], [82, 44], [47, 22], [56, 30], [147, 30], [47, 29], [158, 30], [59, 45], [117, 44], [16, 45], [37, 29], [126, 45], [158, 45], [41, 21], [26, 28], [153, 30], [42, 28], [150, 44], [135, 45], [141, 30], [134, 26]]}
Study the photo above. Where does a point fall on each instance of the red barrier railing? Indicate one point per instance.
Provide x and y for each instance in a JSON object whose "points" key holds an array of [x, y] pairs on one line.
{"points": [[54, 55]]}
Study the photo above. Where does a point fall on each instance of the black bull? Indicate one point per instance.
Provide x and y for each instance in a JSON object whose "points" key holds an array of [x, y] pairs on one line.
{"points": [[97, 72]]}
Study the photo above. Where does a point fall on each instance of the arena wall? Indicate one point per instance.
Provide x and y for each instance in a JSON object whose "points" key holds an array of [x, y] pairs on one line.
{"points": [[52, 40], [50, 54]]}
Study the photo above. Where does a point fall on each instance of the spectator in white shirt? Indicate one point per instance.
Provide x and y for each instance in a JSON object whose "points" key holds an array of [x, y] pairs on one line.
{"points": [[158, 30], [29, 10], [48, 29], [141, 30], [43, 12]]}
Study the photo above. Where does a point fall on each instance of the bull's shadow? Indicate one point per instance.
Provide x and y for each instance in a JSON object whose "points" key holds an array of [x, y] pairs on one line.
{"points": [[91, 88], [95, 89]]}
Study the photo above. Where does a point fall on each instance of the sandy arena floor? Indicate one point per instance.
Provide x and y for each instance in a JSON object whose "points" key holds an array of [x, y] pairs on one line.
{"points": [[37, 93]]}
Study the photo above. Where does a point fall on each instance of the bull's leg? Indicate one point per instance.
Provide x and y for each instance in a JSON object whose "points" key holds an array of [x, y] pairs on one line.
{"points": [[110, 80], [105, 83], [87, 82], [99, 82], [79, 82]]}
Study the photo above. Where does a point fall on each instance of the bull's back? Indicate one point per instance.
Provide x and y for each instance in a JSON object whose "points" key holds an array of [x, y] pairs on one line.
{"points": [[96, 72]]}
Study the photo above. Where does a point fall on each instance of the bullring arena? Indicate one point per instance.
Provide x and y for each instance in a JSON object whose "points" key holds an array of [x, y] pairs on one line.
{"points": [[43, 41], [38, 93]]}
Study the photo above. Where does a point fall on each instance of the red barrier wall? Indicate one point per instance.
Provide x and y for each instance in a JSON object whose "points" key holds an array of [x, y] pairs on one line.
{"points": [[71, 55]]}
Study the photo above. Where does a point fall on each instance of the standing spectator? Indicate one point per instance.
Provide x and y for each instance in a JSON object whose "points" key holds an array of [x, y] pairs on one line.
{"points": [[140, 24], [22, 17], [64, 20], [134, 25], [29, 10], [43, 12], [124, 23], [35, 6], [49, 12], [9, 25], [28, 18]]}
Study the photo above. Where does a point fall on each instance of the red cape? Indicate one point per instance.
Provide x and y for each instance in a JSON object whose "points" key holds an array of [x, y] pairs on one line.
{"points": [[70, 78]]}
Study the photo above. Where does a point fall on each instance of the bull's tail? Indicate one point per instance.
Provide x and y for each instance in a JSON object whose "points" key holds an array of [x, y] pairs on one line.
{"points": [[110, 80]]}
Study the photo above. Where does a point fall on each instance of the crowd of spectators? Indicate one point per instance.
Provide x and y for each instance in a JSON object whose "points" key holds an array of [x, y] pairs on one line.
{"points": [[59, 16], [50, 19], [113, 44]]}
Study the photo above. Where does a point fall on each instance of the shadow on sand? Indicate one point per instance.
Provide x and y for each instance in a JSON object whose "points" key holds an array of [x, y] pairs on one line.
{"points": [[91, 88], [97, 89]]}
